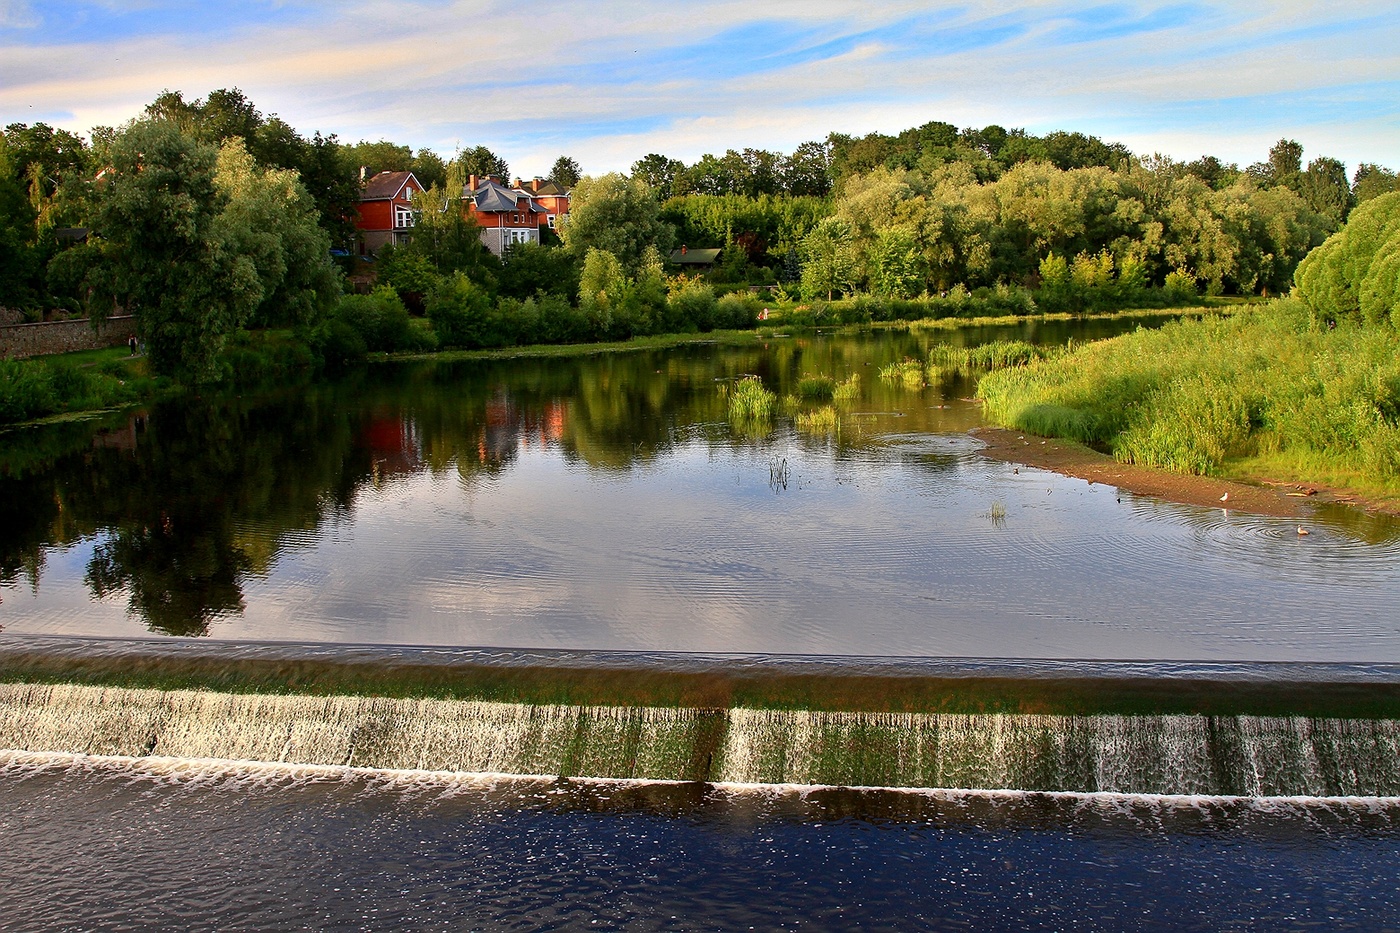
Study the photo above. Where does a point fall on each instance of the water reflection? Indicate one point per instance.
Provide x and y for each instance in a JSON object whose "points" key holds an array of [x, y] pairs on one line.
{"points": [[609, 504]]}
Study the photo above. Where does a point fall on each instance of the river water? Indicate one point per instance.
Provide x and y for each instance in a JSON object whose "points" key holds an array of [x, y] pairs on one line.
{"points": [[605, 504]]}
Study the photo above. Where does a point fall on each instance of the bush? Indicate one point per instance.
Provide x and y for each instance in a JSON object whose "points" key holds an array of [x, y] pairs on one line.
{"points": [[691, 309], [1355, 274], [26, 391], [379, 318], [461, 314], [736, 311]]}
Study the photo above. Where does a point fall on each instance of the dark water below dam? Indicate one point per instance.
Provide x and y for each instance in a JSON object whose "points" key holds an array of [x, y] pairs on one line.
{"points": [[184, 846]]}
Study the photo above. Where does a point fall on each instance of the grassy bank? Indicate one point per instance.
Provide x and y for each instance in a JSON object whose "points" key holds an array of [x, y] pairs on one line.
{"points": [[1260, 394]]}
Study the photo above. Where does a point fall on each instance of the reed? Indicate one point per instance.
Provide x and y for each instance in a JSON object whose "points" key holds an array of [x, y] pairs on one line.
{"points": [[750, 405], [816, 388], [823, 420], [1261, 392], [908, 374], [848, 389]]}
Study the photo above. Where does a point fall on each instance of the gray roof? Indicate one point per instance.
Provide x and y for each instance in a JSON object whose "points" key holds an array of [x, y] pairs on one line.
{"points": [[694, 257], [492, 196]]}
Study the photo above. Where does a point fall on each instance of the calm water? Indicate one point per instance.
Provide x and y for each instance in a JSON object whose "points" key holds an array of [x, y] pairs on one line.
{"points": [[605, 503]]}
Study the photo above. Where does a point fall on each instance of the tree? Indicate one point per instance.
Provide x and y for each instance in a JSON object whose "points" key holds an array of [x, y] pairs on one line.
{"points": [[616, 214], [165, 256], [601, 288], [18, 260], [1355, 274], [58, 154], [1372, 181], [565, 171], [1324, 186], [482, 162], [828, 260], [808, 170], [659, 172], [446, 237], [269, 218]]}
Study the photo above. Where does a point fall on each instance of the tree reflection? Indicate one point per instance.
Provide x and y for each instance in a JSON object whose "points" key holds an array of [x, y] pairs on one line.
{"points": [[190, 503]]}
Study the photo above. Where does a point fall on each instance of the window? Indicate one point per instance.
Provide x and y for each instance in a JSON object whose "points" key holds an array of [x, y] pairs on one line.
{"points": [[403, 216], [551, 221]]}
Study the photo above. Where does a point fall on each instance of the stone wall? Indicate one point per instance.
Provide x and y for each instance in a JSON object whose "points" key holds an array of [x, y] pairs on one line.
{"points": [[22, 340]]}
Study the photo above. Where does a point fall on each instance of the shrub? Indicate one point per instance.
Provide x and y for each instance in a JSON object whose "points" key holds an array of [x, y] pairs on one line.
{"points": [[379, 318], [459, 311], [691, 309]]}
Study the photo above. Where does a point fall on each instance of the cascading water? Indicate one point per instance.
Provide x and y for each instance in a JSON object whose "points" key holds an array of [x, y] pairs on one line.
{"points": [[1142, 754]]}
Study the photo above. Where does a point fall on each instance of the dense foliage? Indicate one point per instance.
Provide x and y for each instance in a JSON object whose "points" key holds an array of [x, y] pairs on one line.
{"points": [[1355, 275]]}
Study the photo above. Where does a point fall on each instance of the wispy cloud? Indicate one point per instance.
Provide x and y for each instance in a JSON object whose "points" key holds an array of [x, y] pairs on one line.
{"points": [[608, 82]]}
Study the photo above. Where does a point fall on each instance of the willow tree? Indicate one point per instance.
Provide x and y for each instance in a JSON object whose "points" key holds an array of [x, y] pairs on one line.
{"points": [[165, 256]]}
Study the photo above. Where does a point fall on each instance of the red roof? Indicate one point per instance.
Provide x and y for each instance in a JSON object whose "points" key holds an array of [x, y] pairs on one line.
{"points": [[387, 185]]}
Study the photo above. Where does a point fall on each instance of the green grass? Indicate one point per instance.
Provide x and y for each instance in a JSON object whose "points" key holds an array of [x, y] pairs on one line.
{"points": [[908, 374], [816, 388], [750, 405], [1259, 393], [59, 386], [999, 354], [848, 389], [820, 421]]}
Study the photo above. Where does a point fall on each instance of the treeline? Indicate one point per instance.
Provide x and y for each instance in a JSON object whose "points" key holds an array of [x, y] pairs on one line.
{"points": [[206, 216], [51, 180], [960, 216]]}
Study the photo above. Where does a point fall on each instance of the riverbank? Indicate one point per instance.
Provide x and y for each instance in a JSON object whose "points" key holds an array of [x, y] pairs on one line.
{"points": [[1278, 498], [1260, 398]]}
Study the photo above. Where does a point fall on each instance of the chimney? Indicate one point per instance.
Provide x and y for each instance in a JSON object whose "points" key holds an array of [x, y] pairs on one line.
{"points": [[535, 184], [683, 249], [471, 184], [364, 173], [517, 184]]}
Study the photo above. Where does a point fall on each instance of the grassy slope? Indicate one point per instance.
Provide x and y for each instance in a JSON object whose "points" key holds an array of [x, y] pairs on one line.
{"points": [[1255, 395]]}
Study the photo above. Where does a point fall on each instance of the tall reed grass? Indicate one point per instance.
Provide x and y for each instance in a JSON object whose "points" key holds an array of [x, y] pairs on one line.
{"points": [[750, 404], [1260, 391]]}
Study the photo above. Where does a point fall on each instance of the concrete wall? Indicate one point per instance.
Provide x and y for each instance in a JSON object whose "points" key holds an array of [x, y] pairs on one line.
{"points": [[21, 340]]}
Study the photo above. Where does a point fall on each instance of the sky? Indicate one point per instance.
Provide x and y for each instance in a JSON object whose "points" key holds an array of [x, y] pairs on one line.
{"points": [[607, 83]]}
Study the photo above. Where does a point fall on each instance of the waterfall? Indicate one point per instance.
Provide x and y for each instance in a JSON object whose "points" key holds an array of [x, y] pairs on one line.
{"points": [[1149, 754]]}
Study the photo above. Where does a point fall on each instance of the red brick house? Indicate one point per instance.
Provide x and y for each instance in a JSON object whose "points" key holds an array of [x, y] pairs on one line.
{"points": [[386, 210], [516, 214]]}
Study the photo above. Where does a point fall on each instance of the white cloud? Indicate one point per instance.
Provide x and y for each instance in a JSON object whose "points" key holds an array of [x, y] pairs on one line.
{"points": [[554, 78], [17, 14]]}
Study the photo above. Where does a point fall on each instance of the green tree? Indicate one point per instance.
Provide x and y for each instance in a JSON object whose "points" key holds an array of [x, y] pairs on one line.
{"points": [[1372, 181], [828, 260], [659, 172], [446, 237], [565, 171], [19, 262], [601, 289], [1324, 186], [617, 214], [165, 255], [482, 162], [269, 218], [896, 265], [807, 172], [1355, 274]]}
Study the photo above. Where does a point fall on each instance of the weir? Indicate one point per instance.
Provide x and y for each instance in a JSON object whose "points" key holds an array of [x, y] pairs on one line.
{"points": [[1142, 754]]}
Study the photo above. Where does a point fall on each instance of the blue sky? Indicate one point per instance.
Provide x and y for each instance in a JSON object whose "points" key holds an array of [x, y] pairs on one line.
{"points": [[610, 82]]}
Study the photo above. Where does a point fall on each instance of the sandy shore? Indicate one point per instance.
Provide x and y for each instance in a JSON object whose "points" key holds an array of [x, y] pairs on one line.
{"points": [[1071, 459]]}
